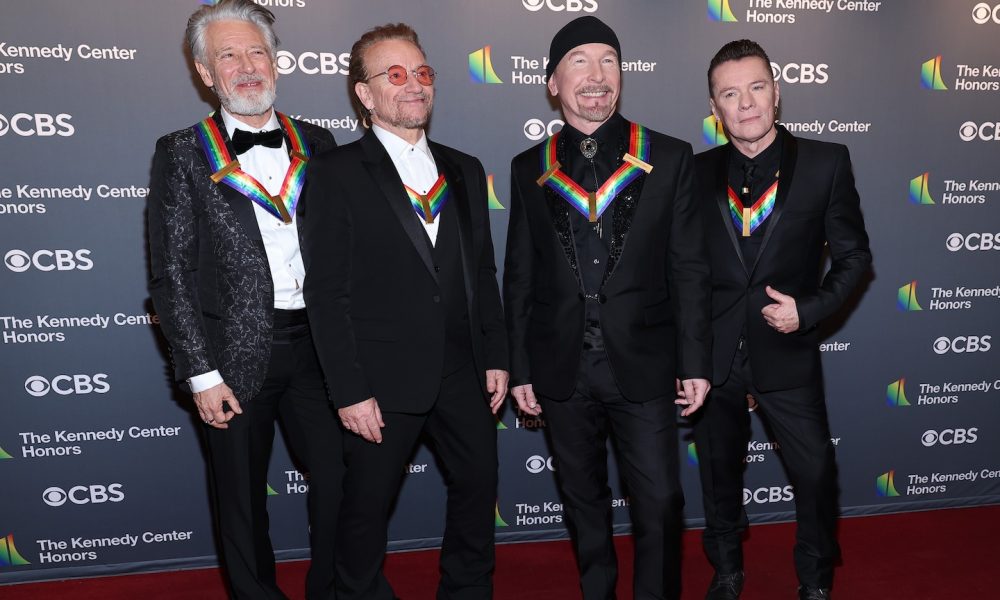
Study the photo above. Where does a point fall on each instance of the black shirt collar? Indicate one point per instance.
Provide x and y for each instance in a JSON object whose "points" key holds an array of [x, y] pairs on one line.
{"points": [[769, 159]]}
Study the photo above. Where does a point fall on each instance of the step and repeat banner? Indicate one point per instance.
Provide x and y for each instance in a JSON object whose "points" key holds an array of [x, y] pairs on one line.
{"points": [[100, 460]]}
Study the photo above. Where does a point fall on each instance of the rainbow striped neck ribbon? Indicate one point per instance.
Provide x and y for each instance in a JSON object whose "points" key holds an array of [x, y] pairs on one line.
{"points": [[593, 204], [227, 170], [428, 206], [748, 218]]}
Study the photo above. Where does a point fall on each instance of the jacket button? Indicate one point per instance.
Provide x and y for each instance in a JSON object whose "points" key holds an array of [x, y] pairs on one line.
{"points": [[437, 269], [581, 296], [437, 299], [601, 298]]}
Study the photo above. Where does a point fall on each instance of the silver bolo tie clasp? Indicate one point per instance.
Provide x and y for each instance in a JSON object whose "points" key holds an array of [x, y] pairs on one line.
{"points": [[588, 147]]}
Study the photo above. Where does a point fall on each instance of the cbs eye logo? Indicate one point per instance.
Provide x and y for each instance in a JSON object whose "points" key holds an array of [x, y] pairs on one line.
{"points": [[983, 13], [963, 344], [84, 494], [536, 129], [537, 464], [557, 6], [948, 437], [20, 261], [988, 131]]}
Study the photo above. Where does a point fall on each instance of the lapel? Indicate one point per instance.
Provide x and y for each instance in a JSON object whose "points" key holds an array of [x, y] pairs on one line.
{"points": [[241, 206], [721, 179], [460, 201], [789, 154], [622, 211], [559, 213], [384, 173]]}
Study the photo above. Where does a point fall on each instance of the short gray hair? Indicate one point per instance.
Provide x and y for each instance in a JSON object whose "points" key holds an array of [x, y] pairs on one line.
{"points": [[229, 10]]}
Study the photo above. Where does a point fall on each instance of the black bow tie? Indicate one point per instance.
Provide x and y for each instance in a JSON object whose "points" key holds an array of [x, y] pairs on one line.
{"points": [[244, 140]]}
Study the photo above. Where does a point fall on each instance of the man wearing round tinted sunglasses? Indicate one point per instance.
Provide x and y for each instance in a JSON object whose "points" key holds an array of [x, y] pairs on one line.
{"points": [[397, 75], [405, 311]]}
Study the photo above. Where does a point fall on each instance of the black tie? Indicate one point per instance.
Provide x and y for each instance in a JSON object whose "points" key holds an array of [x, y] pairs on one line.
{"points": [[244, 140], [749, 168]]}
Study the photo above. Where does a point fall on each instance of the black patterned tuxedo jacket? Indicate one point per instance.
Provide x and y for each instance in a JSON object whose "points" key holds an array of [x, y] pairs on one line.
{"points": [[210, 281]]}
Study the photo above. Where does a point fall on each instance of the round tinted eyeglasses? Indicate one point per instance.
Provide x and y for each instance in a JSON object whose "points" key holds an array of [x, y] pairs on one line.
{"points": [[397, 75]]}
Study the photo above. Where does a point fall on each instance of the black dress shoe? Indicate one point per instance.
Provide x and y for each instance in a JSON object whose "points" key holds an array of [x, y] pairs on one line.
{"points": [[725, 587], [811, 593]]}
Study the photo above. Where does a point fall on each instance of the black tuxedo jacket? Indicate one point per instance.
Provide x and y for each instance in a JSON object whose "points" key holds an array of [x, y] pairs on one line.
{"points": [[817, 205], [210, 281], [655, 297], [372, 291]]}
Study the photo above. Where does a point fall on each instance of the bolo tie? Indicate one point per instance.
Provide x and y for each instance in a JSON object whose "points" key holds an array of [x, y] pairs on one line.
{"points": [[588, 148]]}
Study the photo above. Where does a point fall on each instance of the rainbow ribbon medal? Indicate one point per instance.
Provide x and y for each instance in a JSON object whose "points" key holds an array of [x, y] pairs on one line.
{"points": [[227, 170], [429, 206], [747, 219], [593, 204]]}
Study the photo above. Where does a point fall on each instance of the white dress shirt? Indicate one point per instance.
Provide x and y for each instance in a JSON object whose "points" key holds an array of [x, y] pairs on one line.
{"points": [[415, 166], [281, 241]]}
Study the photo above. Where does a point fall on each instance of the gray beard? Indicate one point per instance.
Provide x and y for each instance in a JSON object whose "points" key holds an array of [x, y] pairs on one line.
{"points": [[597, 115], [248, 105]]}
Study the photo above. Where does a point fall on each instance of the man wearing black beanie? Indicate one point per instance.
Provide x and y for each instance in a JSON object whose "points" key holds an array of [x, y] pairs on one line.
{"points": [[606, 290]]}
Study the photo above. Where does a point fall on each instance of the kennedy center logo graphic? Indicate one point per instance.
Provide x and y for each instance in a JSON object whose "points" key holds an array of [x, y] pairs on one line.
{"points": [[497, 519], [895, 393], [930, 74], [712, 132], [906, 298], [9, 556], [692, 454], [481, 66], [885, 485], [719, 10], [919, 192], [494, 204]]}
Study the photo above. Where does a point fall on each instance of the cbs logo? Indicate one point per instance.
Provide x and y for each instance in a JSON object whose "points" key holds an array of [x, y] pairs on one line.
{"points": [[973, 241], [65, 385], [84, 494], [20, 261], [537, 464], [568, 6], [984, 13], [311, 63], [800, 73], [768, 495], [949, 437], [988, 131], [40, 124], [536, 129], [963, 344]]}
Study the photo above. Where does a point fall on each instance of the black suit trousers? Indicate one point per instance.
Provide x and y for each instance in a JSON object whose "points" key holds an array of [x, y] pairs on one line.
{"points": [[462, 433], [239, 458], [645, 441], [797, 419]]}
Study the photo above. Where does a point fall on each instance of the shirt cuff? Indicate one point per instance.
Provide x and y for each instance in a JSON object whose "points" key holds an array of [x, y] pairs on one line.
{"points": [[200, 383]]}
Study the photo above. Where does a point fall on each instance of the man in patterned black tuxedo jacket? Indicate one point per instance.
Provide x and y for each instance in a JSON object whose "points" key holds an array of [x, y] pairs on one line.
{"points": [[226, 281]]}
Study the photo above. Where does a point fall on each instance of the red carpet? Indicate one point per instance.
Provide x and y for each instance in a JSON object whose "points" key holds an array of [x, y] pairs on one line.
{"points": [[936, 555]]}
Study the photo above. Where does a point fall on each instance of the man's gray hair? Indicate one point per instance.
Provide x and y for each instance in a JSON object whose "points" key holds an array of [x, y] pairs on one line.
{"points": [[229, 10]]}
